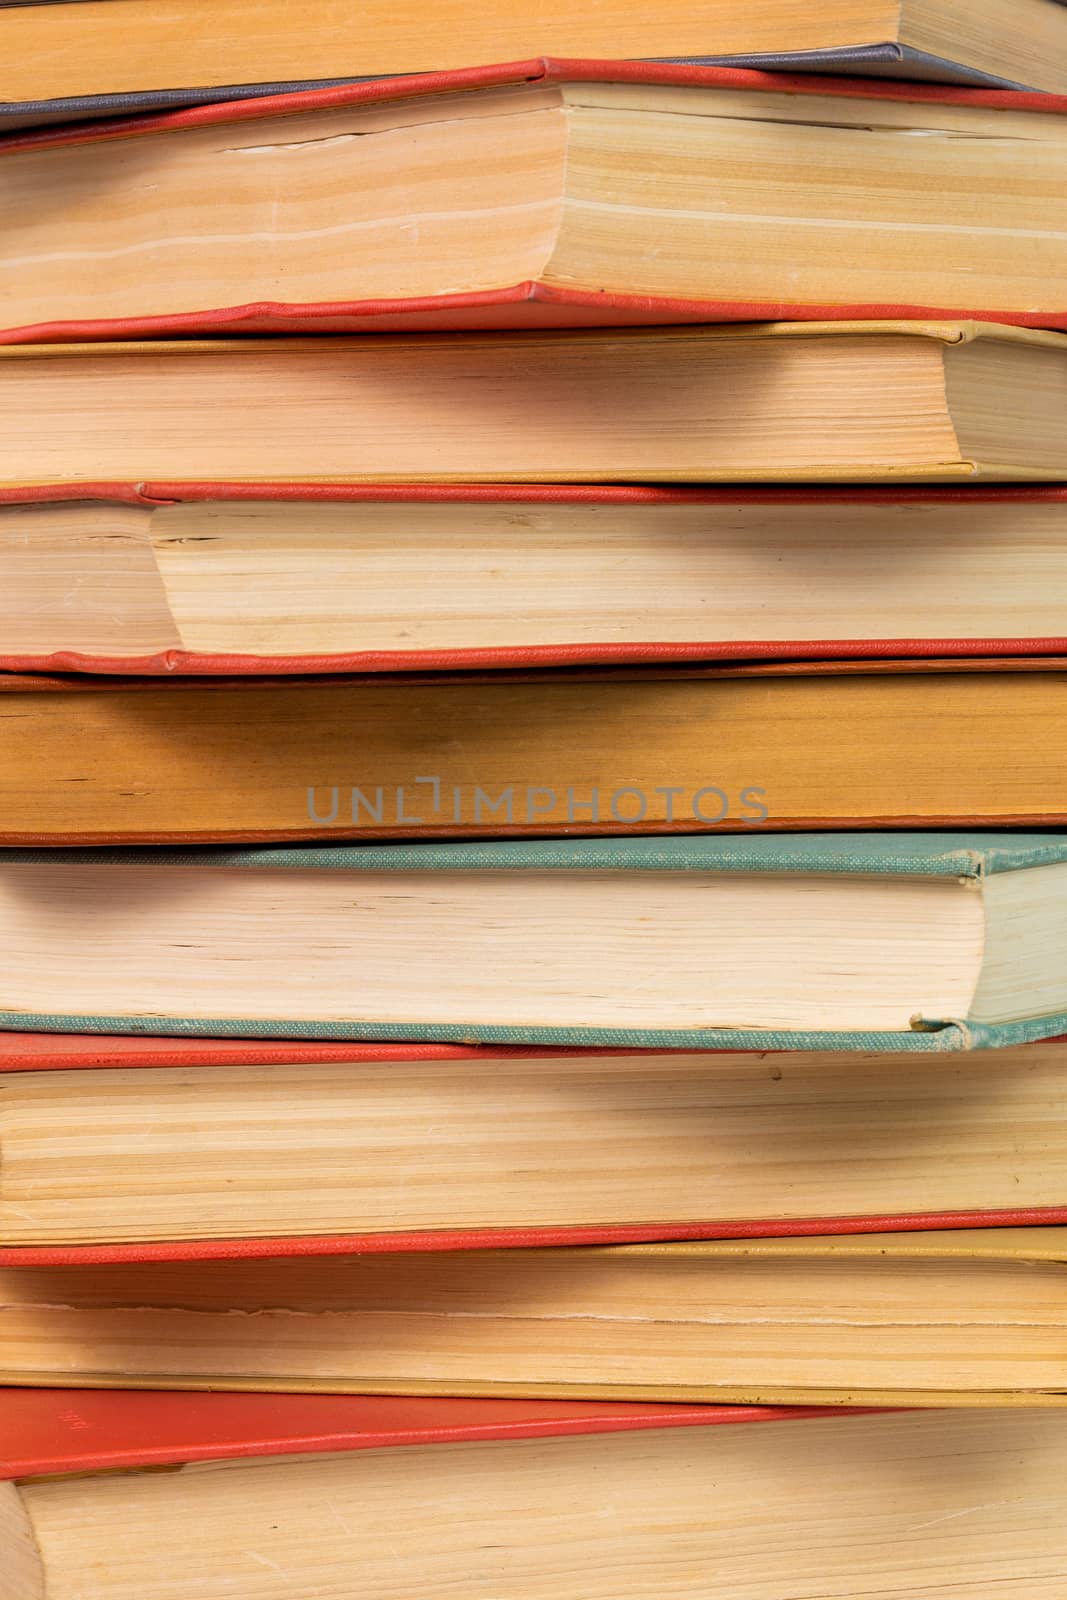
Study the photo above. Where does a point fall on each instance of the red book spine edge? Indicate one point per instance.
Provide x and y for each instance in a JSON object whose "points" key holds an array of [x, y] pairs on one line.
{"points": [[97, 1255], [519, 306]]}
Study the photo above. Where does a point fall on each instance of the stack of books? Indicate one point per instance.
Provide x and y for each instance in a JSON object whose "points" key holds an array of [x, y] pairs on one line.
{"points": [[533, 865]]}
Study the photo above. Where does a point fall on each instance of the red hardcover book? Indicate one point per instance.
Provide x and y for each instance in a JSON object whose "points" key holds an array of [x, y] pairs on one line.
{"points": [[551, 134], [45, 1432], [679, 1127], [141, 578], [254, 1495], [266, 1496]]}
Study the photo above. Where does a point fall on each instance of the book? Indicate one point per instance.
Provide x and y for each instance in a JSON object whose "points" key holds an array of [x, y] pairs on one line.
{"points": [[821, 402], [891, 941], [965, 1317], [59, 1432], [684, 749], [127, 1149], [530, 1501], [255, 578], [93, 59], [542, 192], [80, 48]]}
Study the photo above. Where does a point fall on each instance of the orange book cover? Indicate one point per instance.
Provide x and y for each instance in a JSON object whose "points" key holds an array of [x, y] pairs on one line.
{"points": [[653, 749]]}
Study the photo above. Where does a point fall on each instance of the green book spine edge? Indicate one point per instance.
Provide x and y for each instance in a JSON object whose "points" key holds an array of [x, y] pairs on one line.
{"points": [[919, 854], [934, 1038]]}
